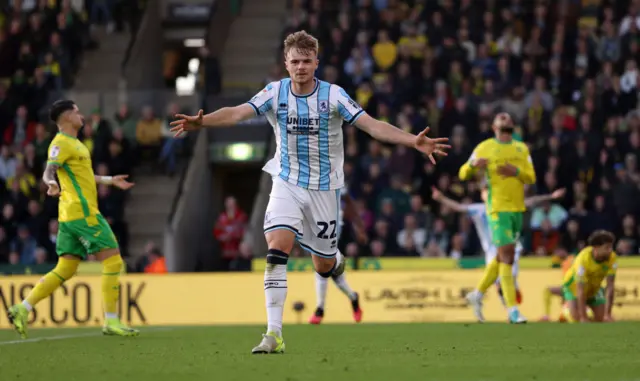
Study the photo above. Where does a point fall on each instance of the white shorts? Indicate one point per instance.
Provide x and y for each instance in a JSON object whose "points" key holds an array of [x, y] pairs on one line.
{"points": [[491, 254], [312, 215]]}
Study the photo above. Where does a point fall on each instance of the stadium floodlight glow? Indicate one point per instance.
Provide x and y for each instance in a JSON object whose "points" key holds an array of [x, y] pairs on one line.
{"points": [[185, 85], [194, 42], [194, 65], [240, 151]]}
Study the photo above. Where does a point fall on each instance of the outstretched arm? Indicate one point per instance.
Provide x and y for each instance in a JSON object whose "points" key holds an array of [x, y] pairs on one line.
{"points": [[226, 116], [119, 181], [384, 131], [444, 200], [388, 133], [535, 200]]}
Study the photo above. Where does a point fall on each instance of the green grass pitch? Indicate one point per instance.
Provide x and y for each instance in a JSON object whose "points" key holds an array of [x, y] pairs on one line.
{"points": [[434, 352]]}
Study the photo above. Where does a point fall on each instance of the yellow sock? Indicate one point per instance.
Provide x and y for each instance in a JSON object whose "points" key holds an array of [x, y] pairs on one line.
{"points": [[547, 301], [566, 312], [489, 277], [64, 270], [508, 285], [111, 268]]}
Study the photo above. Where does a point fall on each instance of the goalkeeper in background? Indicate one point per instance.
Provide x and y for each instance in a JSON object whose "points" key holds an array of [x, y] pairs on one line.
{"points": [[83, 230], [507, 167]]}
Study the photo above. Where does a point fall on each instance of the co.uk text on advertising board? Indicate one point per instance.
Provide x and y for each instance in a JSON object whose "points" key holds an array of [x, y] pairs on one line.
{"points": [[202, 299]]}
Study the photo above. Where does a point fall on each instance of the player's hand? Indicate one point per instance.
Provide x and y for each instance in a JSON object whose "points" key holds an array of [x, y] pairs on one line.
{"points": [[121, 182], [435, 193], [480, 163], [186, 123], [508, 170], [430, 146], [54, 190], [558, 193]]}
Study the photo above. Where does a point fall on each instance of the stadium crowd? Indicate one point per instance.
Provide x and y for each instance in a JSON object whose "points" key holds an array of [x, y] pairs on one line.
{"points": [[566, 71], [41, 45]]}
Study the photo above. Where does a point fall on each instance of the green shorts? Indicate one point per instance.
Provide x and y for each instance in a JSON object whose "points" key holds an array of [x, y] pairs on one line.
{"points": [[505, 227], [598, 300], [86, 236]]}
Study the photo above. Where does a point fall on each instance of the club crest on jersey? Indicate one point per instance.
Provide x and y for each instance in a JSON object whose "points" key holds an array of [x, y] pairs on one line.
{"points": [[55, 151], [324, 106]]}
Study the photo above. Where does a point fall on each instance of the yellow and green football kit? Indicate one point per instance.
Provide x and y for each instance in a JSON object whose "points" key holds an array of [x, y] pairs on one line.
{"points": [[83, 230]]}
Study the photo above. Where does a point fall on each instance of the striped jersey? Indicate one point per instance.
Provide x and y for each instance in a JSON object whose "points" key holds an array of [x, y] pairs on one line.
{"points": [[308, 132], [478, 214]]}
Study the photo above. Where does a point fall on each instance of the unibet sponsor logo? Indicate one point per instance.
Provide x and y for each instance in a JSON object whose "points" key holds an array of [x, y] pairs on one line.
{"points": [[303, 126]]}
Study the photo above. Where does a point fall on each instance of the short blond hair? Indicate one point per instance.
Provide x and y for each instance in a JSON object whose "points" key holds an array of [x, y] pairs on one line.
{"points": [[302, 41]]}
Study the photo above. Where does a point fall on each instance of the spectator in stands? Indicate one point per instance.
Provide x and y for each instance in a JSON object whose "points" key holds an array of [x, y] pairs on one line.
{"points": [[101, 135], [4, 246], [157, 263], [149, 133], [49, 241], [412, 237], [101, 10], [243, 261], [25, 245], [170, 145], [25, 181], [35, 221], [20, 131], [8, 163], [553, 212], [229, 230], [126, 122]]}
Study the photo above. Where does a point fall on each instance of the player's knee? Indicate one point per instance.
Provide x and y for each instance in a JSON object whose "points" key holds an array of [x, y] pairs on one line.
{"points": [[66, 267], [277, 257], [324, 266], [112, 264], [281, 240]]}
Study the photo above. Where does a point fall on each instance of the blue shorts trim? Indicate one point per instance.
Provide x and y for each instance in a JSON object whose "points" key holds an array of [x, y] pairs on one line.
{"points": [[316, 253], [284, 227]]}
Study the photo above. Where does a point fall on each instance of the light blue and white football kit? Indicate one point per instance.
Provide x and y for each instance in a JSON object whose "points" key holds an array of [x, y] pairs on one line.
{"points": [[307, 166]]}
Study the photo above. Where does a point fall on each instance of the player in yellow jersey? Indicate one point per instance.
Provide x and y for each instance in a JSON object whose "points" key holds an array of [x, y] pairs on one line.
{"points": [[557, 290], [507, 167], [583, 282], [82, 229]]}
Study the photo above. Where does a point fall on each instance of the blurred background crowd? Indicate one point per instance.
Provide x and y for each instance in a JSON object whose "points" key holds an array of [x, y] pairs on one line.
{"points": [[41, 49], [566, 71]]}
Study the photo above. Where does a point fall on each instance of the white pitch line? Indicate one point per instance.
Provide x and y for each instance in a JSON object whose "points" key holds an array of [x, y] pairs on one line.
{"points": [[64, 337]]}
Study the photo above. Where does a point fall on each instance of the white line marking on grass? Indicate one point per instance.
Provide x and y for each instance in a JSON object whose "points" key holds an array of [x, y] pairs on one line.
{"points": [[78, 335]]}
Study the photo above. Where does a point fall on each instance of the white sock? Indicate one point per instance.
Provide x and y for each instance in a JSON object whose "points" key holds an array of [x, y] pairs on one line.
{"points": [[321, 290], [342, 284], [27, 305], [339, 258], [275, 293], [110, 315]]}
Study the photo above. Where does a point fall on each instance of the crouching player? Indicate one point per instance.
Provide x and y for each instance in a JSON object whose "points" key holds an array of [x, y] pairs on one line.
{"points": [[582, 286]]}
